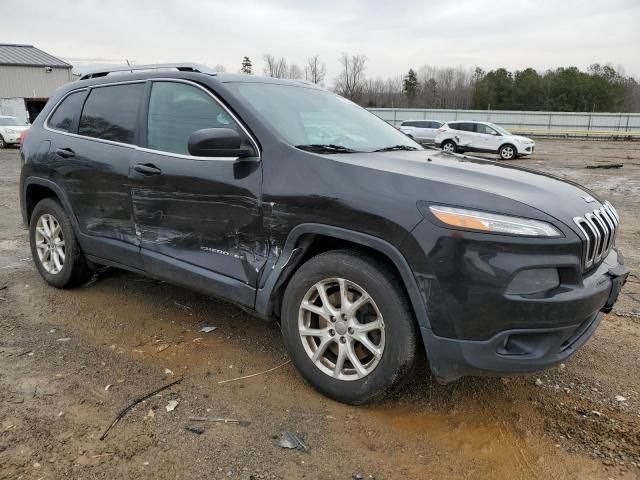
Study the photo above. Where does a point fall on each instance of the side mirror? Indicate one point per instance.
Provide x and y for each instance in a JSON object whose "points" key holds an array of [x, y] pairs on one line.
{"points": [[218, 142], [497, 134]]}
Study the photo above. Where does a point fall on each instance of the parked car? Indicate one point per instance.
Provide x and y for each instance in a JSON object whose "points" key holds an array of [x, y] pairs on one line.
{"points": [[423, 131], [362, 247], [466, 136], [10, 130]]}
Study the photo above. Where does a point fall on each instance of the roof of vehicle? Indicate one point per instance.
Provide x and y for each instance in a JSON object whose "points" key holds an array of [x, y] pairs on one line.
{"points": [[469, 121], [7, 116], [422, 120], [28, 55], [136, 72]]}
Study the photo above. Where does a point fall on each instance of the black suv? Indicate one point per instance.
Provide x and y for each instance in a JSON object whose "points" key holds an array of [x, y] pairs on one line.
{"points": [[298, 205]]}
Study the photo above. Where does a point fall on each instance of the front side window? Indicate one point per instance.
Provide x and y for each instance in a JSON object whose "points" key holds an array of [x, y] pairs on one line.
{"points": [[485, 129], [111, 113], [67, 112], [176, 110], [298, 113]]}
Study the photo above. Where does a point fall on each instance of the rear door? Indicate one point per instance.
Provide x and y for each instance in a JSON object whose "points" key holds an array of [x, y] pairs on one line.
{"points": [[91, 157], [194, 213], [465, 134]]}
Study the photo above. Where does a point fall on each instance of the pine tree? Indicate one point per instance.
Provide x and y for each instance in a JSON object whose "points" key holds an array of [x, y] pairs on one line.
{"points": [[246, 66], [410, 85]]}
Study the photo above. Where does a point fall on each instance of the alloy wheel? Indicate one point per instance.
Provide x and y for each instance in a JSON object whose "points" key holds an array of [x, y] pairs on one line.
{"points": [[507, 152], [341, 329], [50, 245], [449, 147]]}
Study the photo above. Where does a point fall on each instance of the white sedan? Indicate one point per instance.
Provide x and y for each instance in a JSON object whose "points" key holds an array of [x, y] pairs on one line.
{"points": [[10, 130]]}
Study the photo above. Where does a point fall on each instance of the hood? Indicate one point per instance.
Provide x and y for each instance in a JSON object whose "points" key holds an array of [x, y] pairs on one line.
{"points": [[481, 184], [520, 138], [15, 128]]}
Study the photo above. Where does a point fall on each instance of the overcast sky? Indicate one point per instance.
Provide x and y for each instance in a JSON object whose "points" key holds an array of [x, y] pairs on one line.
{"points": [[394, 34]]}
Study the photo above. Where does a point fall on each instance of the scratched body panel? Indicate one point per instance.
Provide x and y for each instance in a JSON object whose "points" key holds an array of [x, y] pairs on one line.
{"points": [[203, 212]]}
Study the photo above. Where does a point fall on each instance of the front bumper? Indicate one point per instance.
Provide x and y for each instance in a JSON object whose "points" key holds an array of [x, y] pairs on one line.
{"points": [[11, 138], [525, 350], [527, 149]]}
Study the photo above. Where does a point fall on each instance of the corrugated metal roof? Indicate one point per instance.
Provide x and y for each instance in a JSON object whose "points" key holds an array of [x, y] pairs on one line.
{"points": [[11, 54]]}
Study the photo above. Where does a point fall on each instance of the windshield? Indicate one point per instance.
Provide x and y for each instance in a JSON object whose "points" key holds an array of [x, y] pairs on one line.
{"points": [[308, 117], [9, 122], [500, 130]]}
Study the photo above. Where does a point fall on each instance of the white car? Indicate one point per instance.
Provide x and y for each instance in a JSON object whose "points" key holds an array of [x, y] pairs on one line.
{"points": [[10, 130], [467, 136], [421, 130]]}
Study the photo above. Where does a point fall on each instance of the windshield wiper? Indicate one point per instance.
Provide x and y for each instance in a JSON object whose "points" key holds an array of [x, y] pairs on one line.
{"points": [[326, 148], [396, 147]]}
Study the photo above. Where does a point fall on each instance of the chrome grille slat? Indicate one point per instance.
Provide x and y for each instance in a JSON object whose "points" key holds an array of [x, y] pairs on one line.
{"points": [[598, 228]]}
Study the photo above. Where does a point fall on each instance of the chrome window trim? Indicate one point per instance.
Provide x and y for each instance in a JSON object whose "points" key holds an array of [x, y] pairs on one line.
{"points": [[150, 150]]}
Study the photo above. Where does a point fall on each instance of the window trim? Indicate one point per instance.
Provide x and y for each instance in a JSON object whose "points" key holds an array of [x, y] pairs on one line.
{"points": [[144, 109]]}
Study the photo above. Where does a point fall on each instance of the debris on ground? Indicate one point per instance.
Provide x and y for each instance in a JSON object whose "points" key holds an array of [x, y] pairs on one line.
{"points": [[108, 387], [64, 339], [292, 441], [124, 411], [207, 329], [171, 406], [538, 382], [253, 374], [196, 430], [620, 398], [605, 166], [168, 372], [220, 420]]}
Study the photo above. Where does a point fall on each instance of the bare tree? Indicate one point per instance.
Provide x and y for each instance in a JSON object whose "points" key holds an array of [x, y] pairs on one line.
{"points": [[350, 82], [294, 72], [315, 70], [276, 68], [219, 68]]}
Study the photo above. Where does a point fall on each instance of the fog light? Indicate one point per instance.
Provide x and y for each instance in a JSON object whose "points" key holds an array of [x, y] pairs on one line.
{"points": [[534, 280]]}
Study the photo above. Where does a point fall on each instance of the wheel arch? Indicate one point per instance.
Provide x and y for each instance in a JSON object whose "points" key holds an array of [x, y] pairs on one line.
{"points": [[307, 240], [36, 189], [511, 144]]}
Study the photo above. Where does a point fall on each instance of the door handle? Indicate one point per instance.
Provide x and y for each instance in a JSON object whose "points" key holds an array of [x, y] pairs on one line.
{"points": [[65, 153], [147, 169]]}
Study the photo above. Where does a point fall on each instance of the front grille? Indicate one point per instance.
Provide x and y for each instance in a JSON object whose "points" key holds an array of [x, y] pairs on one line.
{"points": [[599, 228]]}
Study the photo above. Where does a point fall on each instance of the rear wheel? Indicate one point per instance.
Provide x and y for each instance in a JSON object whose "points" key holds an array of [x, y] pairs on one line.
{"points": [[449, 146], [54, 246], [348, 327], [507, 152]]}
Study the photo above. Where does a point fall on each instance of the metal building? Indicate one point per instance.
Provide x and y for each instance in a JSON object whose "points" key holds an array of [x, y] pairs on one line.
{"points": [[28, 77]]}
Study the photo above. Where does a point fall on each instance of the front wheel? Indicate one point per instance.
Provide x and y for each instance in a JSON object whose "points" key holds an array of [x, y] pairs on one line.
{"points": [[449, 146], [2, 142], [508, 152], [348, 327]]}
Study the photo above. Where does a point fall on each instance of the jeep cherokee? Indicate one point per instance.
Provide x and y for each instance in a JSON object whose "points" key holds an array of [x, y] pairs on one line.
{"points": [[299, 206]]}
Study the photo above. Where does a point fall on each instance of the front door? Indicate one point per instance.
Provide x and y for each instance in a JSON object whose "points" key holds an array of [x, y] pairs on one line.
{"points": [[194, 212], [488, 138]]}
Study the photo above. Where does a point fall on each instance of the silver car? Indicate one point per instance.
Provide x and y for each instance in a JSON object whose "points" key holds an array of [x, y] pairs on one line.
{"points": [[423, 131]]}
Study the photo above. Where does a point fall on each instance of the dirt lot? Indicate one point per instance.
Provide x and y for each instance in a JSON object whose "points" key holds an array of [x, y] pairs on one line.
{"points": [[71, 360]]}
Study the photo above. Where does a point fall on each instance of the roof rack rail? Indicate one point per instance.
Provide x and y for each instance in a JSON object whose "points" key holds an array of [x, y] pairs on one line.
{"points": [[181, 67]]}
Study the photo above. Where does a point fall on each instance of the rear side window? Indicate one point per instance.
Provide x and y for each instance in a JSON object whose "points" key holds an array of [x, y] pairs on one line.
{"points": [[176, 110], [408, 124], [111, 113], [467, 127], [454, 126], [67, 112]]}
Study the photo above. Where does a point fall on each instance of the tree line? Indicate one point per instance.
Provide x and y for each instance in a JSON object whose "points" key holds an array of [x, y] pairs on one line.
{"points": [[601, 88]]}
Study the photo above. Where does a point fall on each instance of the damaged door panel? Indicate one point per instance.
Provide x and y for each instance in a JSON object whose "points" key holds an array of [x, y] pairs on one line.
{"points": [[204, 211]]}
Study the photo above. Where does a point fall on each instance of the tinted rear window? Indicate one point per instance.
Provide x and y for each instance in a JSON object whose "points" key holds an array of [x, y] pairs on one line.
{"points": [[67, 112], [111, 113], [408, 124]]}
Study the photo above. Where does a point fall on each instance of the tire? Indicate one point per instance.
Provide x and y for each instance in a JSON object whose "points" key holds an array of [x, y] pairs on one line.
{"points": [[508, 152], [51, 236], [345, 270], [2, 142], [449, 146]]}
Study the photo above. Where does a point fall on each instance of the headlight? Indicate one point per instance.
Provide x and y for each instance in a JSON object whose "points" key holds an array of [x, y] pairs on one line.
{"points": [[493, 222], [10, 130]]}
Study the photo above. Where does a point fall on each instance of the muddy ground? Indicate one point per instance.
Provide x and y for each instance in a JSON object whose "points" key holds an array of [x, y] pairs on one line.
{"points": [[71, 360]]}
